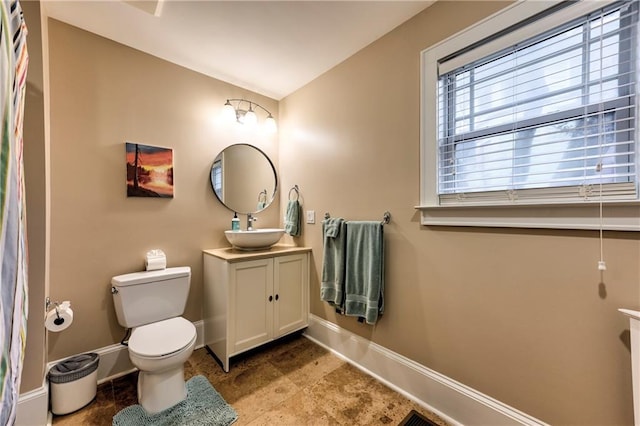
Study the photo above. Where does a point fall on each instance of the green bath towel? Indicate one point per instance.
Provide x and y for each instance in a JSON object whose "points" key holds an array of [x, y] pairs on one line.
{"points": [[364, 280]]}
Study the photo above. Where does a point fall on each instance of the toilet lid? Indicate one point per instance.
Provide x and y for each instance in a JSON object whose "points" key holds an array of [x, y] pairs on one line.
{"points": [[162, 338]]}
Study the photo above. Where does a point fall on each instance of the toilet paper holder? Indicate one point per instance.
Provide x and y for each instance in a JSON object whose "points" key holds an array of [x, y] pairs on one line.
{"points": [[59, 320]]}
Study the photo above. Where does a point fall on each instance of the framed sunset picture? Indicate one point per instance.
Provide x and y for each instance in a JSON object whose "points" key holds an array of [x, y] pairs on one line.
{"points": [[149, 171]]}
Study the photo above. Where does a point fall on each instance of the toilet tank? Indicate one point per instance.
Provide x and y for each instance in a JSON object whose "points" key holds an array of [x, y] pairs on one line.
{"points": [[150, 296]]}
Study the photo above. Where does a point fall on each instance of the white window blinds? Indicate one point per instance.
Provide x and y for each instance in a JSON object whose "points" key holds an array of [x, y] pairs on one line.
{"points": [[550, 119]]}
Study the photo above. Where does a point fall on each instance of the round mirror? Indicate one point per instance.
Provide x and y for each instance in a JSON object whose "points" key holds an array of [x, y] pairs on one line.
{"points": [[244, 179]]}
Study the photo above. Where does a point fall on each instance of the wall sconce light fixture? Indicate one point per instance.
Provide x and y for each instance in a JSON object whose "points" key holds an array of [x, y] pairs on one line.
{"points": [[244, 112]]}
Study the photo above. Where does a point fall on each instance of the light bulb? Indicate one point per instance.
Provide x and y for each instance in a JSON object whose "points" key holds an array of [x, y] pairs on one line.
{"points": [[250, 118], [270, 124], [229, 112]]}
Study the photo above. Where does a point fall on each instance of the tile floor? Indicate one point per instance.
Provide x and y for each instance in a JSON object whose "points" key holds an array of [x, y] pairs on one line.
{"points": [[290, 382]]}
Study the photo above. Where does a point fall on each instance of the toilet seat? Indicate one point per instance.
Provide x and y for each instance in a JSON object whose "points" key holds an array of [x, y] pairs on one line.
{"points": [[163, 338]]}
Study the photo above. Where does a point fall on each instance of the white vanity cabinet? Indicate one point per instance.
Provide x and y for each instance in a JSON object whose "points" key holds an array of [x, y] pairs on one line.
{"points": [[251, 298]]}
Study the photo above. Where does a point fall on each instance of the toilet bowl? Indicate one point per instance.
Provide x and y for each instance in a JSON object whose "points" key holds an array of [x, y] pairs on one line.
{"points": [[159, 350]]}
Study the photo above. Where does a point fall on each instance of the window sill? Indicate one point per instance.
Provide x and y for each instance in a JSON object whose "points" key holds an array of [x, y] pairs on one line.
{"points": [[619, 216]]}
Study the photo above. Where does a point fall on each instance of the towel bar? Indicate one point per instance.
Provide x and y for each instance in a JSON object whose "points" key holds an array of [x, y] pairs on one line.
{"points": [[386, 217]]}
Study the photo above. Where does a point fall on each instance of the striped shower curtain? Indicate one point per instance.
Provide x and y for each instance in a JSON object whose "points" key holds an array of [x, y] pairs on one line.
{"points": [[13, 241]]}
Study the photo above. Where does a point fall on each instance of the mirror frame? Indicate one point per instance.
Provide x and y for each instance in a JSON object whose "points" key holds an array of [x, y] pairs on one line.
{"points": [[270, 197]]}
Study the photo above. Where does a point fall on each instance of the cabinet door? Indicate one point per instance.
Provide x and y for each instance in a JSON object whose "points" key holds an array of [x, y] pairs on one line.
{"points": [[291, 288], [251, 287]]}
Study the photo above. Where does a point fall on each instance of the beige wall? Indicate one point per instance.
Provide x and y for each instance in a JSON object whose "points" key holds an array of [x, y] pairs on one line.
{"points": [[35, 181], [102, 95], [518, 314]]}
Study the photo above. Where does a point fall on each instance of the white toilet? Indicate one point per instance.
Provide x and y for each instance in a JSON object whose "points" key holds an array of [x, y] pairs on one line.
{"points": [[150, 303]]}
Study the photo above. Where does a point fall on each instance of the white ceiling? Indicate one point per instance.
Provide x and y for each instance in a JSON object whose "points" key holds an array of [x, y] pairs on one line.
{"points": [[270, 47]]}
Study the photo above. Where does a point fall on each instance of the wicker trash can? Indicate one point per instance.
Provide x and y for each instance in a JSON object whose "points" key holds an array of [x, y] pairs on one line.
{"points": [[74, 382]]}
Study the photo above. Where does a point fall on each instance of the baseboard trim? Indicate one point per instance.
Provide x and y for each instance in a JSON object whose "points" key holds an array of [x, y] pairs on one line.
{"points": [[453, 401], [33, 407]]}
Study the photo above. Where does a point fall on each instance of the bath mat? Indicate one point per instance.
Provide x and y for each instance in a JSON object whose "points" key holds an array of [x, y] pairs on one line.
{"points": [[416, 419], [203, 406]]}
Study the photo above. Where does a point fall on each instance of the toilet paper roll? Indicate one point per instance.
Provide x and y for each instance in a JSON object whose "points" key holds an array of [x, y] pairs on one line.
{"points": [[155, 263], [155, 259], [59, 320]]}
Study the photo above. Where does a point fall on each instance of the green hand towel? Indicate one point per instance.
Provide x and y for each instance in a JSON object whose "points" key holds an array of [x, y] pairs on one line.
{"points": [[292, 218], [364, 277], [331, 227], [333, 262]]}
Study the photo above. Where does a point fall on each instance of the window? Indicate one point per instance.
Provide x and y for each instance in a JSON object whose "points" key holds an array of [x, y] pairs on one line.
{"points": [[216, 178], [542, 112]]}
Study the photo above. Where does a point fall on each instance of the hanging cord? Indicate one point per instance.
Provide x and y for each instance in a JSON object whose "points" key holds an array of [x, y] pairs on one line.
{"points": [[602, 266]]}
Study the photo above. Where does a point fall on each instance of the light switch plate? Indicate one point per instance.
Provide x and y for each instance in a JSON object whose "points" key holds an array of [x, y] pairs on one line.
{"points": [[311, 216]]}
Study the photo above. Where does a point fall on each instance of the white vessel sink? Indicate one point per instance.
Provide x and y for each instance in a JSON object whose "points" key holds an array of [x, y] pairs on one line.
{"points": [[254, 240]]}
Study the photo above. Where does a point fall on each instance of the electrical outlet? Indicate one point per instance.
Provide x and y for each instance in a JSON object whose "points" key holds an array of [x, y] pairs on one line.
{"points": [[311, 216]]}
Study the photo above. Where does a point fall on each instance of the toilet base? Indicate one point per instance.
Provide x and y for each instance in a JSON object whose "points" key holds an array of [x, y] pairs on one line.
{"points": [[159, 391]]}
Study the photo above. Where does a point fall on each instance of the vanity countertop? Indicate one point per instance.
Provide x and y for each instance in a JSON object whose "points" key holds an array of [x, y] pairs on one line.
{"points": [[234, 255]]}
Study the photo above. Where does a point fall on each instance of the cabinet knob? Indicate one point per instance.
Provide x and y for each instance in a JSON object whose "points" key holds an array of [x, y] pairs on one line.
{"points": [[270, 298], [277, 297]]}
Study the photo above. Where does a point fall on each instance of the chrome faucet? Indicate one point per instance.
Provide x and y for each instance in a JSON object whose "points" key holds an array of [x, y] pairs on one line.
{"points": [[250, 220]]}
